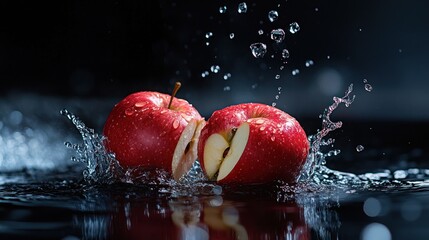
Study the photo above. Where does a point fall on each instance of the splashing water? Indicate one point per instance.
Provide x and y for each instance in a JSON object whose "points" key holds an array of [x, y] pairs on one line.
{"points": [[103, 168], [315, 177], [316, 159]]}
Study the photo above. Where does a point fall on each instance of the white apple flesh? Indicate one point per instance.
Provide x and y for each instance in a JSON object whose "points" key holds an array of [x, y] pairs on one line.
{"points": [[251, 144]]}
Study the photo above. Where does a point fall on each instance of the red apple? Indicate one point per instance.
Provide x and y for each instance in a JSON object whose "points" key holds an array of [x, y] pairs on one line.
{"points": [[252, 143], [147, 129]]}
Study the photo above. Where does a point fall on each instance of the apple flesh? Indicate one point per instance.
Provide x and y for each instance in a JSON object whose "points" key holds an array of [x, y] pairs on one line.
{"points": [[252, 143], [142, 131]]}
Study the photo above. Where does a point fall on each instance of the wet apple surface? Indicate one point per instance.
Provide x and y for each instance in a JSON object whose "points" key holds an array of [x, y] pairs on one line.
{"points": [[252, 143], [155, 131]]}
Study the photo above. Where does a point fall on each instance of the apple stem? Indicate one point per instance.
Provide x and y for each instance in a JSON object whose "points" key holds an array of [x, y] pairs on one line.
{"points": [[176, 88]]}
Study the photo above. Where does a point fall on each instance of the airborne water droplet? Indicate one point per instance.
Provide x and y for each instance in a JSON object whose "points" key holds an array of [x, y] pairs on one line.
{"points": [[273, 138], [215, 68], [285, 54], [260, 31], [277, 76], [226, 76], [368, 87], [231, 35], [227, 88], [278, 35], [222, 9], [176, 123], [242, 7], [295, 72], [209, 34], [294, 27], [273, 15], [129, 111], [309, 63], [258, 49], [205, 74], [359, 148]]}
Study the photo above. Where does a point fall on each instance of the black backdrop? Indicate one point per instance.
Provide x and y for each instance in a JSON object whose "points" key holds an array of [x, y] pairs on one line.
{"points": [[105, 49]]}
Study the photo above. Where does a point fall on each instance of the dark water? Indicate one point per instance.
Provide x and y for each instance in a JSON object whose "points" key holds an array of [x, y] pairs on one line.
{"points": [[60, 205], [43, 194]]}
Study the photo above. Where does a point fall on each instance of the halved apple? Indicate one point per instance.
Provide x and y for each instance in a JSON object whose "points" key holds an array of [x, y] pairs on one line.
{"points": [[151, 131], [252, 144], [222, 154], [186, 152]]}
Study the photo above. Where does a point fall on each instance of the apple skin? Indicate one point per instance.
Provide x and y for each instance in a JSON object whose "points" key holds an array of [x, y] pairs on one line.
{"points": [[276, 149], [143, 132]]}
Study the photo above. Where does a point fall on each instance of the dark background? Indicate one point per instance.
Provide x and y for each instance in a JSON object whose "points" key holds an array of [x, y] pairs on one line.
{"points": [[108, 49]]}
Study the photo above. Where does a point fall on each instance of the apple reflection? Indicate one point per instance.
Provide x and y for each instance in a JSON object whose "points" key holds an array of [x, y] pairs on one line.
{"points": [[210, 217]]}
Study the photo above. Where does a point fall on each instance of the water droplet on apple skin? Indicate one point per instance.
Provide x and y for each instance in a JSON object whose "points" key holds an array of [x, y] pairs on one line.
{"points": [[259, 121], [176, 124], [139, 104], [129, 111]]}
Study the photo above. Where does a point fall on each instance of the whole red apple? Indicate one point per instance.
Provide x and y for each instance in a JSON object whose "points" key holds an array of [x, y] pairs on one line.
{"points": [[252, 143], [155, 131]]}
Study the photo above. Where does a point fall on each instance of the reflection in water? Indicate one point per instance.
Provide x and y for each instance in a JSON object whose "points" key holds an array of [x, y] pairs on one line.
{"points": [[211, 217]]}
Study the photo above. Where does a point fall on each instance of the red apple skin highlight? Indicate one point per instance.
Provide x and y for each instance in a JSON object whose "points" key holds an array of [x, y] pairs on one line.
{"points": [[276, 149], [142, 131]]}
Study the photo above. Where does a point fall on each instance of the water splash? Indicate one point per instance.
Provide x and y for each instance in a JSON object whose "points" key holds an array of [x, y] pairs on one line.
{"points": [[103, 168], [316, 159]]}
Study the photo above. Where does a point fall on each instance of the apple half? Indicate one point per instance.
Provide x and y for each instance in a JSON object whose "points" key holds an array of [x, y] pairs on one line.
{"points": [[223, 152], [252, 143], [143, 130], [186, 153]]}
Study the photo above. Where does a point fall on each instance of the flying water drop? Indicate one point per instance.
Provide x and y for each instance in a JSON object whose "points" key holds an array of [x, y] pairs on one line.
{"points": [[231, 35], [242, 7], [205, 74], [209, 34], [258, 49], [215, 68], [222, 9], [359, 148], [294, 27], [295, 72], [285, 53], [273, 15], [277, 76], [226, 76], [368, 87], [260, 31], [309, 63], [278, 35]]}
